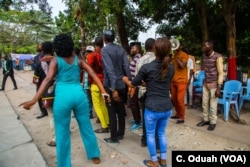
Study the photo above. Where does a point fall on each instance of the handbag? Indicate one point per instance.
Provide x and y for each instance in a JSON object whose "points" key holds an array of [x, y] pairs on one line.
{"points": [[35, 80], [48, 102], [48, 96]]}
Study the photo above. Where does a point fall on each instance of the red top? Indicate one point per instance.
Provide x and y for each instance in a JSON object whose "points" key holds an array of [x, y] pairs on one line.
{"points": [[94, 59]]}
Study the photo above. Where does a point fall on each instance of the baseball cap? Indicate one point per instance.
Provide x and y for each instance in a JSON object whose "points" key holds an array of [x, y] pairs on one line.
{"points": [[90, 48]]}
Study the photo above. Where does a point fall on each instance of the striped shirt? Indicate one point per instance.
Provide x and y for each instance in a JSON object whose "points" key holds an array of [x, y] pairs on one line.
{"points": [[132, 65]]}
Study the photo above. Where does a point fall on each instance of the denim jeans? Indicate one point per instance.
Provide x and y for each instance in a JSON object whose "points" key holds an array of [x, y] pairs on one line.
{"points": [[160, 120]]}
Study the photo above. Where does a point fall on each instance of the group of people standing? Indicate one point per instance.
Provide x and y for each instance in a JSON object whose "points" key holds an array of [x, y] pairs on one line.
{"points": [[182, 83], [154, 79]]}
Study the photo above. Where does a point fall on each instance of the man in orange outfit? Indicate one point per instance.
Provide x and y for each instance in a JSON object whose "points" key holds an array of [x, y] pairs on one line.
{"points": [[179, 83]]}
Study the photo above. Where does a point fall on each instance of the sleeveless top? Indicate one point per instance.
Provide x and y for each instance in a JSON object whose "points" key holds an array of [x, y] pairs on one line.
{"points": [[67, 73]]}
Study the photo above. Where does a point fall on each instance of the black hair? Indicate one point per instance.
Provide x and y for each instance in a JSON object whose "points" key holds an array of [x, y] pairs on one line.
{"points": [[63, 45], [138, 46], [149, 44], [77, 51], [109, 35], [186, 50], [99, 41], [6, 57], [47, 47], [126, 48], [210, 42]]}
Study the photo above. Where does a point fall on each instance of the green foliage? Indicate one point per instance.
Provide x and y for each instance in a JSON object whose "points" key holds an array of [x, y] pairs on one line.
{"points": [[175, 18], [5, 4], [19, 31], [21, 5], [243, 34]]}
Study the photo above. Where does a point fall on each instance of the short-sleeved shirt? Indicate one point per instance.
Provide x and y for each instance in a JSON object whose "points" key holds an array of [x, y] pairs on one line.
{"points": [[94, 59], [180, 74], [193, 58], [190, 66]]}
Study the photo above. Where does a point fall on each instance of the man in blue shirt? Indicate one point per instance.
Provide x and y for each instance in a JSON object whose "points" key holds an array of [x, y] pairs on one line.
{"points": [[116, 65]]}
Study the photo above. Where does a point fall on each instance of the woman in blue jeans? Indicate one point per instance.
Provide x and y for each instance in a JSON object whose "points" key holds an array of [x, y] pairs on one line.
{"points": [[158, 106]]}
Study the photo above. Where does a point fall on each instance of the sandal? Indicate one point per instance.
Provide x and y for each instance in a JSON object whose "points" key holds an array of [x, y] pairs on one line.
{"points": [[162, 162], [96, 160], [51, 143], [150, 163], [102, 130]]}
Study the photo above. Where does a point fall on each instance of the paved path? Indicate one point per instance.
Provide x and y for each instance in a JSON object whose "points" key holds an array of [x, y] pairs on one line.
{"points": [[17, 147]]}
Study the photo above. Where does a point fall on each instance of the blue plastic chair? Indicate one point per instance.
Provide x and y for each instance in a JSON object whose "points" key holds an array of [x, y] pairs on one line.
{"points": [[245, 94], [200, 79], [197, 86], [230, 96]]}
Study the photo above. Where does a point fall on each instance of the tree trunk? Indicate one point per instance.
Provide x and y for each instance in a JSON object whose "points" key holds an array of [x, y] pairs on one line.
{"points": [[82, 27], [121, 29], [229, 9], [78, 16], [202, 15]]}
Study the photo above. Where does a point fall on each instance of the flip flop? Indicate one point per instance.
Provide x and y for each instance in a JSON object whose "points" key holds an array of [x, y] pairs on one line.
{"points": [[51, 143]]}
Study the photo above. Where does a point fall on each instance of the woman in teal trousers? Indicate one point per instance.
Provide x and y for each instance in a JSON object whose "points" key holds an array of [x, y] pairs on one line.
{"points": [[69, 96]]}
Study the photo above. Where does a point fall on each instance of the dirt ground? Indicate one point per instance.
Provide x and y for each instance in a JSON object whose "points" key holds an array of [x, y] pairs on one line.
{"points": [[180, 137]]}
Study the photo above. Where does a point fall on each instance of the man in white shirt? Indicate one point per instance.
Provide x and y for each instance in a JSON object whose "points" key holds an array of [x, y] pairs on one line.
{"points": [[190, 73]]}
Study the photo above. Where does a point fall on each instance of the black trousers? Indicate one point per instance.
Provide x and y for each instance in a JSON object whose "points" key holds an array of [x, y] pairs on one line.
{"points": [[40, 104], [5, 76], [135, 107], [117, 114]]}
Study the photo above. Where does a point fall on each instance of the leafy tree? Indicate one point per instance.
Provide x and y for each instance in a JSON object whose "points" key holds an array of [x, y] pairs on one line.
{"points": [[24, 29], [92, 17], [243, 34], [197, 20], [21, 5]]}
